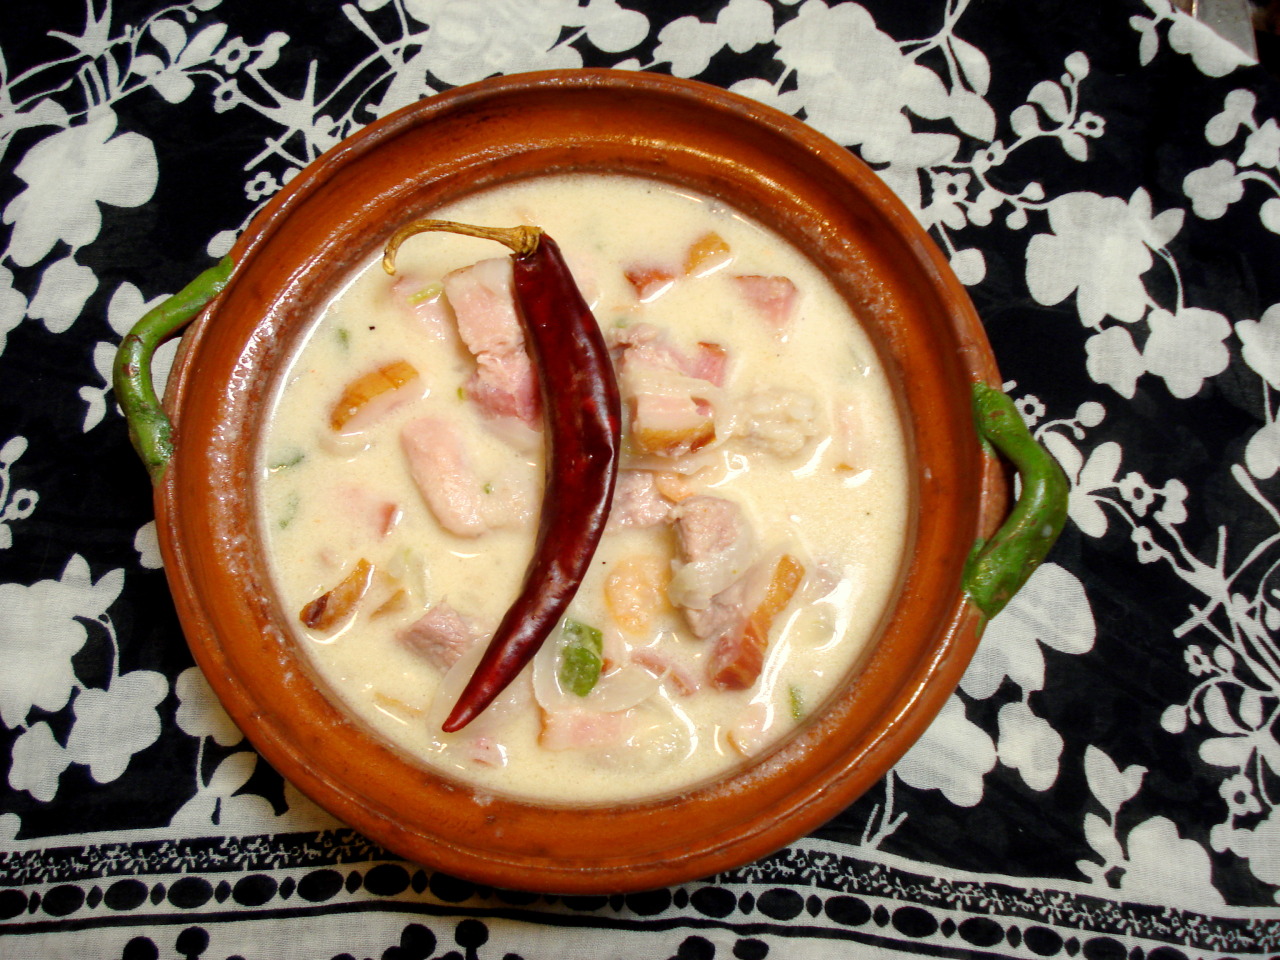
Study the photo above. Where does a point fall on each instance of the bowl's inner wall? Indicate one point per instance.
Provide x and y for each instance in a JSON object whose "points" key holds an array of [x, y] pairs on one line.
{"points": [[335, 217]]}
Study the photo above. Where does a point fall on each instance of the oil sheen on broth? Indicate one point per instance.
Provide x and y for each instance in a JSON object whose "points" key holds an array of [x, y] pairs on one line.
{"points": [[762, 498]]}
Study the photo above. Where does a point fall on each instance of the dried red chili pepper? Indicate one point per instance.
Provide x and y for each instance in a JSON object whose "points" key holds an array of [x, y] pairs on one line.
{"points": [[583, 424]]}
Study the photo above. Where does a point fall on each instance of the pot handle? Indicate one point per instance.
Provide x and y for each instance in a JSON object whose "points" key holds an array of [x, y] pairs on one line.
{"points": [[997, 568], [150, 429]]}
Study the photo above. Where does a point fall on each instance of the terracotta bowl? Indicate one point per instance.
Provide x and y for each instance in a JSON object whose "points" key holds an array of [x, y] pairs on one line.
{"points": [[331, 219]]}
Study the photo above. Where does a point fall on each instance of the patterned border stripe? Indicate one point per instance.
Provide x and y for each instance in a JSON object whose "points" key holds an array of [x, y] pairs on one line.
{"points": [[313, 874]]}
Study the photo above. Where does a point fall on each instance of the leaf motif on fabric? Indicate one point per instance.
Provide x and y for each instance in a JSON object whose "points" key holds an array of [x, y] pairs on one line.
{"points": [[1101, 836], [1051, 608], [952, 756], [1051, 98], [974, 66], [1111, 786]]}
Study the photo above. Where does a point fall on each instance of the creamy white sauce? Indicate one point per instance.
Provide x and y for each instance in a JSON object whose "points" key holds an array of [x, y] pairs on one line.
{"points": [[321, 498]]}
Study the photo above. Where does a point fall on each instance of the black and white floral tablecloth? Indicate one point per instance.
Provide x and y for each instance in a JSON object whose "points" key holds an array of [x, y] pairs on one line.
{"points": [[1104, 175]]}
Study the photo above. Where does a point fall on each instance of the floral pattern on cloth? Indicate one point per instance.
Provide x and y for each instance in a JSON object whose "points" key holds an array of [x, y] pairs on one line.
{"points": [[1105, 179]]}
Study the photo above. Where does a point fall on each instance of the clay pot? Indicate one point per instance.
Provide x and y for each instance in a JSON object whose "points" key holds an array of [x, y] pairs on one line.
{"points": [[331, 219]]}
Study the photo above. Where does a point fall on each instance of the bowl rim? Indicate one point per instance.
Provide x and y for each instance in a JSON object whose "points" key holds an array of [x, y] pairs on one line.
{"points": [[786, 809]]}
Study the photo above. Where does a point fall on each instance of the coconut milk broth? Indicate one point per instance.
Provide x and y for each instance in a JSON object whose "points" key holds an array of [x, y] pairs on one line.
{"points": [[840, 502]]}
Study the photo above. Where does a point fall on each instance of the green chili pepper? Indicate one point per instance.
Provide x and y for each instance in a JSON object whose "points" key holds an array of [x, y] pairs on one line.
{"points": [[997, 568], [149, 426], [581, 657], [796, 700], [290, 513], [426, 293], [290, 459]]}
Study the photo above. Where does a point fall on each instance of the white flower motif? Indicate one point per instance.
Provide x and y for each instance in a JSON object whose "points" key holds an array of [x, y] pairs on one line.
{"points": [[1186, 348], [969, 266], [263, 185], [1149, 550], [1239, 794], [1051, 608], [470, 41], [1115, 361], [40, 633], [1262, 148], [1137, 492], [1029, 744], [953, 756], [67, 175], [15, 504], [1099, 249], [864, 100], [147, 544], [1269, 214], [950, 190], [218, 803], [64, 287], [1174, 509], [199, 712], [1257, 844], [171, 80], [768, 93], [1261, 341], [38, 762], [689, 43], [1262, 452], [1213, 188], [613, 28], [13, 306], [1212, 55], [1237, 109], [1097, 473], [1163, 867], [114, 724], [235, 53], [1031, 408]]}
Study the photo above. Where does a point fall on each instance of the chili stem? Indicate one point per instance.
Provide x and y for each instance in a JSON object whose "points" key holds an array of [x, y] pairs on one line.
{"points": [[522, 240]]}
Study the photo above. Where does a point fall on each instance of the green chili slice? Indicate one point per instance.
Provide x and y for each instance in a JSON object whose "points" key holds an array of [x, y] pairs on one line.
{"points": [[581, 657]]}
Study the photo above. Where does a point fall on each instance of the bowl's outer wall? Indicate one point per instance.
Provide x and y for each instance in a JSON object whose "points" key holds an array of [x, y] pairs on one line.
{"points": [[333, 218]]}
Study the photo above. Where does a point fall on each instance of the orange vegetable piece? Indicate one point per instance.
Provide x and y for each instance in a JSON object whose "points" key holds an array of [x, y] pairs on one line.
{"points": [[648, 281], [706, 253], [738, 658], [636, 591], [329, 609], [370, 386]]}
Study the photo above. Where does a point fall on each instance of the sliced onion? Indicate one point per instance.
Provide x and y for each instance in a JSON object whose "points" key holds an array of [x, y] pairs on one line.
{"points": [[664, 734], [511, 700], [621, 689]]}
